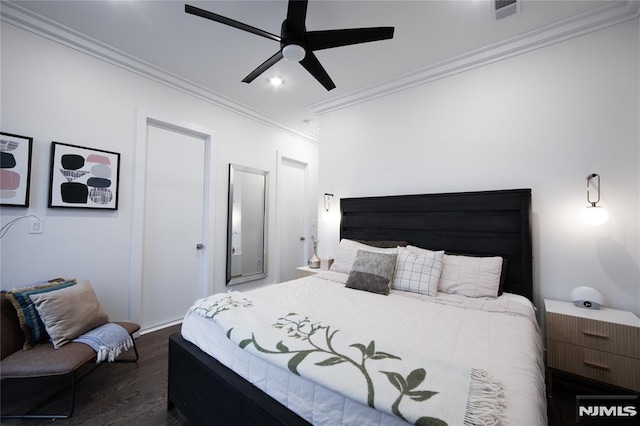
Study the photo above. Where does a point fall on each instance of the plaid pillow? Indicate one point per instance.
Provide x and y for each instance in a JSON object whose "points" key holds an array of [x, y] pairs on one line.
{"points": [[30, 322], [418, 272]]}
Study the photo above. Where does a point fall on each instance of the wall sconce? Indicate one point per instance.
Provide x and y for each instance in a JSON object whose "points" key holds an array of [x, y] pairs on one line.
{"points": [[328, 198], [593, 214], [329, 216]]}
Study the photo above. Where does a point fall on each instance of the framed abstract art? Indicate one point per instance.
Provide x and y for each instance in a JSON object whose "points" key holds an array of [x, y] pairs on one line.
{"points": [[83, 177], [15, 169]]}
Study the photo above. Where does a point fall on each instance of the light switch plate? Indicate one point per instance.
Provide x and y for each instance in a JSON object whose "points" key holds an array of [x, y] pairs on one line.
{"points": [[36, 226]]}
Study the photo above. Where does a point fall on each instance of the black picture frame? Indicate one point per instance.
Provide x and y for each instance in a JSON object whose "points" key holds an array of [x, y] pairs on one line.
{"points": [[15, 169], [82, 177]]}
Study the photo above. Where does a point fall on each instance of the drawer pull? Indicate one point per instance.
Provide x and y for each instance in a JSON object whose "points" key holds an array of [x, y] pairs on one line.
{"points": [[594, 334], [596, 365]]}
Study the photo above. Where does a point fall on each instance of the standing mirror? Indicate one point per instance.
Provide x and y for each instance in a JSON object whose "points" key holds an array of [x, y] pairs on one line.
{"points": [[247, 224]]}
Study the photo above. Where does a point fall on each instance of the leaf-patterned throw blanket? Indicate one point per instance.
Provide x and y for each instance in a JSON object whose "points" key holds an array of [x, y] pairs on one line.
{"points": [[414, 387]]}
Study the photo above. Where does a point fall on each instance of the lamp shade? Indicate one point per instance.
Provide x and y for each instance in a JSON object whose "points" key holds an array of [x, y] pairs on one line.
{"points": [[594, 215]]}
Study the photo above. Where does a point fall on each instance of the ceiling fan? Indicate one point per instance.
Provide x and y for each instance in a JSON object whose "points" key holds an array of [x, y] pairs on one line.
{"points": [[298, 44]]}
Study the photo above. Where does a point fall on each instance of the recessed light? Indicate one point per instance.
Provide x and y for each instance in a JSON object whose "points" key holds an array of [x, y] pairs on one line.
{"points": [[276, 81]]}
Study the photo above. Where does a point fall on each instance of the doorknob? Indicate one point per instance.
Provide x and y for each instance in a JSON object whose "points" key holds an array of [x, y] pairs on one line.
{"points": [[302, 238], [199, 246]]}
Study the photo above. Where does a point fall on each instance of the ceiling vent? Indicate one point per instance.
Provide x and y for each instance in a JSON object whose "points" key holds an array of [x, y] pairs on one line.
{"points": [[506, 8]]}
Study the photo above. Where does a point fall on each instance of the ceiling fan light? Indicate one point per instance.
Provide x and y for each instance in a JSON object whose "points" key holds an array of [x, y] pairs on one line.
{"points": [[293, 52]]}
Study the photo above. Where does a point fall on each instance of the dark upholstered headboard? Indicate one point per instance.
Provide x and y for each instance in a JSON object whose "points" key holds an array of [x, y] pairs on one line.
{"points": [[485, 223]]}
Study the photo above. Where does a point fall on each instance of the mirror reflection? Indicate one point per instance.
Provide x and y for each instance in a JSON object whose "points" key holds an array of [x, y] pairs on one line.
{"points": [[247, 224]]}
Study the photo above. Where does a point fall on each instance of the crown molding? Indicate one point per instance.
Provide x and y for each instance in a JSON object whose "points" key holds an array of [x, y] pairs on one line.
{"points": [[593, 20], [37, 24]]}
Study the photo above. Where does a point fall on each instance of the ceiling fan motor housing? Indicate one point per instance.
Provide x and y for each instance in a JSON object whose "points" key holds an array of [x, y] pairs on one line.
{"points": [[296, 44], [292, 45]]}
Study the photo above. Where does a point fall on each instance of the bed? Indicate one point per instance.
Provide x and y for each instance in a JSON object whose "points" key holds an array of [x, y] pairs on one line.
{"points": [[215, 378]]}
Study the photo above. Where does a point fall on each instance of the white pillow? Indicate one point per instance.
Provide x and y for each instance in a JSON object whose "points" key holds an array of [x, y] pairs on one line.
{"points": [[418, 250], [471, 276], [348, 251], [418, 271]]}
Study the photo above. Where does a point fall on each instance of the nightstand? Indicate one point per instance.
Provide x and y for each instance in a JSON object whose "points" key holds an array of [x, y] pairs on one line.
{"points": [[305, 271], [602, 345]]}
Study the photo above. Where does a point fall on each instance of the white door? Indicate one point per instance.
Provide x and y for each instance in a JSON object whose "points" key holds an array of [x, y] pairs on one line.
{"points": [[173, 254], [291, 198]]}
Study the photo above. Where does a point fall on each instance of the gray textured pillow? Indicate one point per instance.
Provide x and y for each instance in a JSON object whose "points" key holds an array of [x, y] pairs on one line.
{"points": [[69, 312], [372, 272]]}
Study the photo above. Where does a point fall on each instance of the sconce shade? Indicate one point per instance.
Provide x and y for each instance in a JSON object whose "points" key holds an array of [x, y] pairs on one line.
{"points": [[594, 215]]}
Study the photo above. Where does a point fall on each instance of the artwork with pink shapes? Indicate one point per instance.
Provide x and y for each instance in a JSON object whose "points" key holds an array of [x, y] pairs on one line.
{"points": [[15, 169], [83, 177]]}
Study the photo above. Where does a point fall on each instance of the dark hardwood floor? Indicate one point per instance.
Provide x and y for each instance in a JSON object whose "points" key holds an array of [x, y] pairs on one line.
{"points": [[136, 393], [561, 406], [109, 394]]}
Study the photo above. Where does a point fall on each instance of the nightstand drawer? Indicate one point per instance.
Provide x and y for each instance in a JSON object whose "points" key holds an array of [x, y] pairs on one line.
{"points": [[605, 336], [606, 367]]}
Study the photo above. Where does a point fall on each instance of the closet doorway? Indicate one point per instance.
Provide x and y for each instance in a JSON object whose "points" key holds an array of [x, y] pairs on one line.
{"points": [[292, 217], [174, 245]]}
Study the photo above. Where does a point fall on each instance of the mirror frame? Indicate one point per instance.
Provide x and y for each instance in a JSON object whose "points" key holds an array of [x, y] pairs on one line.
{"points": [[233, 169]]}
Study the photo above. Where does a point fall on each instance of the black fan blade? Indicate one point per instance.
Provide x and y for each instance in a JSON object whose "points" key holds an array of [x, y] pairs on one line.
{"points": [[318, 40], [228, 21], [311, 64], [262, 68], [296, 16]]}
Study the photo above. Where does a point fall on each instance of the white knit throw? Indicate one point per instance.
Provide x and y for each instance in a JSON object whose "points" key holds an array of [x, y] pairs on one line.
{"points": [[108, 340]]}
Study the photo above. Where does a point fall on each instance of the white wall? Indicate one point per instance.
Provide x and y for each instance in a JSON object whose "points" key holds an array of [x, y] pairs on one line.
{"points": [[53, 93], [542, 120]]}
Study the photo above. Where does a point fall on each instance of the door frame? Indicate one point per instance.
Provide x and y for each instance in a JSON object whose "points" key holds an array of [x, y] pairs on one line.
{"points": [[284, 156], [144, 119]]}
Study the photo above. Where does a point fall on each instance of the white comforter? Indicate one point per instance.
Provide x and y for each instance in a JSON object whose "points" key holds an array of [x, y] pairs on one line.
{"points": [[500, 336]]}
